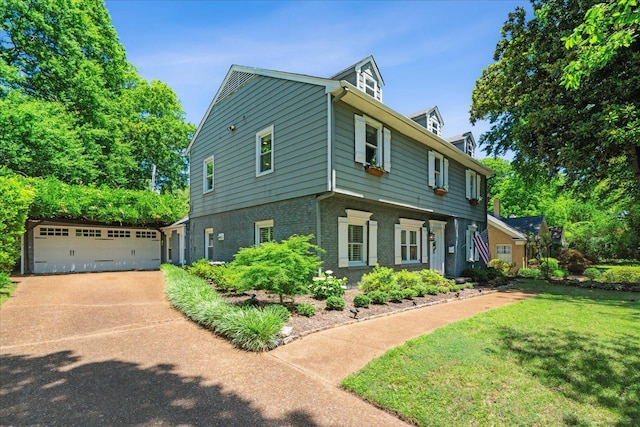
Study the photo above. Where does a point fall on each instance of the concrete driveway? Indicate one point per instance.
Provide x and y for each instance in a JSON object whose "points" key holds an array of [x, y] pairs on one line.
{"points": [[107, 349]]}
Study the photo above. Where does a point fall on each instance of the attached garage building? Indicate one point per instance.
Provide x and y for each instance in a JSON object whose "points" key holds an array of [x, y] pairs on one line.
{"points": [[54, 247]]}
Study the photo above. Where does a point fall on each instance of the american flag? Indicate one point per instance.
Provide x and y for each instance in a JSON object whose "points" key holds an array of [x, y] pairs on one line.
{"points": [[480, 241]]}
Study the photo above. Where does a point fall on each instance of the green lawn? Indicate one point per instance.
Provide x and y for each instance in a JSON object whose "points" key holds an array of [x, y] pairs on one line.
{"points": [[569, 356]]}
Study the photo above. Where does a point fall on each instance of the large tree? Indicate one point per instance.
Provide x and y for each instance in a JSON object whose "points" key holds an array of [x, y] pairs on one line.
{"points": [[71, 106], [592, 133]]}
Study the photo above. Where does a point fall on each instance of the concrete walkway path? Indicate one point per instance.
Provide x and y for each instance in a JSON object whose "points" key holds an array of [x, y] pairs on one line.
{"points": [[107, 349]]}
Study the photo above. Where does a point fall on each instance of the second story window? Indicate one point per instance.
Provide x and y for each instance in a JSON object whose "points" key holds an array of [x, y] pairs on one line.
{"points": [[207, 184], [372, 143], [473, 185], [264, 151], [438, 171]]}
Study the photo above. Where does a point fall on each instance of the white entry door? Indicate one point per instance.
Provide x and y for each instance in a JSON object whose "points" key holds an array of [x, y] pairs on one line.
{"points": [[436, 247]]}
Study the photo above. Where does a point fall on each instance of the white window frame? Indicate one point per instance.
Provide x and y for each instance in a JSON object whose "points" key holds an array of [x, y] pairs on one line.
{"points": [[383, 153], [506, 256], [206, 188], [441, 181], [259, 136], [259, 225], [368, 81], [422, 237], [208, 243], [370, 239], [435, 126], [473, 185], [472, 253]]}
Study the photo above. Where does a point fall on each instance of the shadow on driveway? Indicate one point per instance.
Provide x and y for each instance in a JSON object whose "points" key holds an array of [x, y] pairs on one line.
{"points": [[55, 388]]}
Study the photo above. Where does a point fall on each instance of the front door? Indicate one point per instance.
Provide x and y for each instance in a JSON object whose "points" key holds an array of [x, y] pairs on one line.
{"points": [[436, 246]]}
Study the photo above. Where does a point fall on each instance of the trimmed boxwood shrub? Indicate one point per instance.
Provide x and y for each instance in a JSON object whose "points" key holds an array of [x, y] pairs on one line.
{"points": [[378, 297], [335, 303], [409, 293], [421, 290], [380, 279], [305, 309], [592, 273], [621, 275], [395, 295], [361, 300]]}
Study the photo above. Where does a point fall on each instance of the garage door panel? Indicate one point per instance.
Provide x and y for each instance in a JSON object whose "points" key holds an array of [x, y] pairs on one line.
{"points": [[82, 249]]}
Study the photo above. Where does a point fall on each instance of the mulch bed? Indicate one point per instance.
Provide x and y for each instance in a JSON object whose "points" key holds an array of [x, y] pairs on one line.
{"points": [[324, 319]]}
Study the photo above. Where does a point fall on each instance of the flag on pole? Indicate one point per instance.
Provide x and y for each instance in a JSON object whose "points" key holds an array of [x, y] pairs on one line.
{"points": [[480, 240]]}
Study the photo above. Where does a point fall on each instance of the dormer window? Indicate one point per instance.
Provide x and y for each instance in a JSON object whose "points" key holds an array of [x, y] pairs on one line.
{"points": [[368, 83], [370, 86], [434, 126]]}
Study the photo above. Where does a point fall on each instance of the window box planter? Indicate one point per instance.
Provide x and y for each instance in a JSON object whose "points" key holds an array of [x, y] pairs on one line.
{"points": [[374, 170], [440, 191], [474, 202]]}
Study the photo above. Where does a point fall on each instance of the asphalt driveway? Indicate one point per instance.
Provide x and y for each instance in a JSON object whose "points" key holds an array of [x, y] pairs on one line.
{"points": [[107, 349]]}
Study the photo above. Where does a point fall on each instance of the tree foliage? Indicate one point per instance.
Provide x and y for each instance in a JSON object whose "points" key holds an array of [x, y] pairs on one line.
{"points": [[603, 223], [591, 134], [72, 107]]}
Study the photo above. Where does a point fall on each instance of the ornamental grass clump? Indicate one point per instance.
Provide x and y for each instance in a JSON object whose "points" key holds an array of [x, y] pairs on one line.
{"points": [[279, 310], [251, 328]]}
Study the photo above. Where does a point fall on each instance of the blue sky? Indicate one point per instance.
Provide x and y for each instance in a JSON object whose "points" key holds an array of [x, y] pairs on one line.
{"points": [[429, 52]]}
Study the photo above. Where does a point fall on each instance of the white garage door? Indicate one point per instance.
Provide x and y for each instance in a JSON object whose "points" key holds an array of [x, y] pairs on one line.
{"points": [[61, 249]]}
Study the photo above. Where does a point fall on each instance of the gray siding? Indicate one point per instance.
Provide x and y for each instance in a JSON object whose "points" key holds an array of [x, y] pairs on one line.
{"points": [[407, 181], [298, 112], [387, 217], [294, 216]]}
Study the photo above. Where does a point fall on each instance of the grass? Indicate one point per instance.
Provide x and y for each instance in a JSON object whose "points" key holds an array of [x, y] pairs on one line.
{"points": [[569, 356]]}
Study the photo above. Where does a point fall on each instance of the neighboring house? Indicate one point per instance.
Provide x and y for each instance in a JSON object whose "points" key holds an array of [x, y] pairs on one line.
{"points": [[54, 246], [533, 229], [506, 243], [279, 153]]}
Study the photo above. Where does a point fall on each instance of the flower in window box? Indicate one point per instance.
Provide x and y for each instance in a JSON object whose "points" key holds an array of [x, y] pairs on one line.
{"points": [[475, 201], [441, 189], [374, 168]]}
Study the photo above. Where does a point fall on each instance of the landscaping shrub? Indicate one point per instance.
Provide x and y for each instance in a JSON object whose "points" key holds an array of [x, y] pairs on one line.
{"points": [[378, 297], [279, 310], [592, 273], [15, 199], [501, 265], [559, 273], [433, 290], [573, 260], [395, 295], [551, 264], [476, 274], [305, 309], [361, 300], [327, 285], [380, 279], [621, 275], [251, 328], [409, 293], [335, 303], [407, 279], [431, 277], [283, 268], [443, 289], [421, 290], [530, 273], [4, 279], [215, 273]]}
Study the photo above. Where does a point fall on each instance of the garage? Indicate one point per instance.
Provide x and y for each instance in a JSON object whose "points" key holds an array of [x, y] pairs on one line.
{"points": [[64, 248]]}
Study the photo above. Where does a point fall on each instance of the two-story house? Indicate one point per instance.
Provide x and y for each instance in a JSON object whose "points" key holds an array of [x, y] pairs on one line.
{"points": [[279, 153]]}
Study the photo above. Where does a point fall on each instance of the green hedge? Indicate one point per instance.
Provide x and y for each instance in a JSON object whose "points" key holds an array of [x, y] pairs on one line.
{"points": [[15, 199]]}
